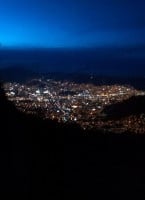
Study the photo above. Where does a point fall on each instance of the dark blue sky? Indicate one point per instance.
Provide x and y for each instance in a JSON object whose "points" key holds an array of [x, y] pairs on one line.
{"points": [[72, 23]]}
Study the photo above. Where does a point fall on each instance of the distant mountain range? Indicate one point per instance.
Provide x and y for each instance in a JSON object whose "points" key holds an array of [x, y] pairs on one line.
{"points": [[15, 74], [20, 74], [104, 61]]}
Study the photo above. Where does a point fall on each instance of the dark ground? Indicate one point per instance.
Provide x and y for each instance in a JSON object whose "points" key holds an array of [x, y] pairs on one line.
{"points": [[44, 159]]}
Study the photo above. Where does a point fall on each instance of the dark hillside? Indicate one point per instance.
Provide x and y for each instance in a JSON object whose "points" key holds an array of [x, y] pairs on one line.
{"points": [[132, 106]]}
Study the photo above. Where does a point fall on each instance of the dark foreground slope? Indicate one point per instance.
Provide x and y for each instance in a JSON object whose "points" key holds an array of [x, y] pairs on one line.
{"points": [[48, 160], [30, 161]]}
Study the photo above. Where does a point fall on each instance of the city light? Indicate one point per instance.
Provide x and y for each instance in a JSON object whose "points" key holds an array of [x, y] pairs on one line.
{"points": [[71, 102]]}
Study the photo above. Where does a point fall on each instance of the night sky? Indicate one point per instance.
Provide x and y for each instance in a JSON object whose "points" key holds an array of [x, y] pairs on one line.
{"points": [[72, 23]]}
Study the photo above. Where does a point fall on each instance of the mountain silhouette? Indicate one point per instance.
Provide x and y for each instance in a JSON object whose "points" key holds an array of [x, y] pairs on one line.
{"points": [[132, 106], [16, 73], [44, 159]]}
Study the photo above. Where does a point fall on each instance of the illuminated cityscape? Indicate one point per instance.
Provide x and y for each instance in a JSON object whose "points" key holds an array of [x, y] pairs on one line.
{"points": [[83, 104]]}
